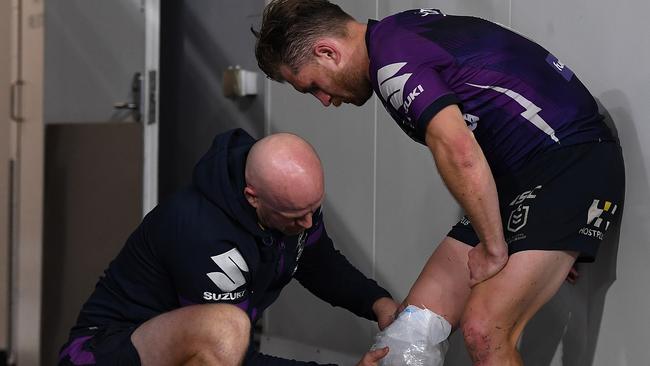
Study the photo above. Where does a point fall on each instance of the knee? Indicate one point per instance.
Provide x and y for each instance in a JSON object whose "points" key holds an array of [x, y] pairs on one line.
{"points": [[224, 335], [227, 322], [485, 339]]}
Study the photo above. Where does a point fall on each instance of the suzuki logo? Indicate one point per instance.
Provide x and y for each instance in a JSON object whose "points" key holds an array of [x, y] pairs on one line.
{"points": [[391, 86], [412, 95], [232, 264]]}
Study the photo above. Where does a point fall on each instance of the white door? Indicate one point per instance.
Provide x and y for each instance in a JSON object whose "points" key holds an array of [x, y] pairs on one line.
{"points": [[101, 65], [72, 62]]}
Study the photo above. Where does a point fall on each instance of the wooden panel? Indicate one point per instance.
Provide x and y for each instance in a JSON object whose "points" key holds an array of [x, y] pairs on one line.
{"points": [[93, 198]]}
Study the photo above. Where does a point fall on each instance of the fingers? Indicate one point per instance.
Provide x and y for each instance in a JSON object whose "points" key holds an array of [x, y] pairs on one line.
{"points": [[376, 355], [573, 275]]}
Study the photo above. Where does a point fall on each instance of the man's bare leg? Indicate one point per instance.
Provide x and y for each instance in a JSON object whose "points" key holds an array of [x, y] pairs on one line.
{"points": [[498, 309], [211, 334], [443, 284]]}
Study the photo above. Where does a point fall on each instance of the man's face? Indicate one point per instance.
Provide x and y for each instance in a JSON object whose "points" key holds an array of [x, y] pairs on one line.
{"points": [[287, 220], [329, 86]]}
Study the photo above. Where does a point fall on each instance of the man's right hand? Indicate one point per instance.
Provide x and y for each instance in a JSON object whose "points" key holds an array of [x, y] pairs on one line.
{"points": [[371, 358]]}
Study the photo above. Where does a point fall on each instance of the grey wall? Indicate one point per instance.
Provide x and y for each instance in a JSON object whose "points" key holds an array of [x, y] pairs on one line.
{"points": [[92, 49], [199, 40], [387, 209]]}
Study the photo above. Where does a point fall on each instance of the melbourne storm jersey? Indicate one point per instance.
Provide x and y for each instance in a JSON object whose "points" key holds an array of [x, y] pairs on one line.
{"points": [[517, 98]]}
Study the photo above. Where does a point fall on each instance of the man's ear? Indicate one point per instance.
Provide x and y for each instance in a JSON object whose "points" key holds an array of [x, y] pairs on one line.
{"points": [[327, 51], [251, 196]]}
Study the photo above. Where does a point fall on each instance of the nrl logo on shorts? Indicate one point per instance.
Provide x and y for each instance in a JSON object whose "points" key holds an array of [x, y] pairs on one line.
{"points": [[518, 218]]}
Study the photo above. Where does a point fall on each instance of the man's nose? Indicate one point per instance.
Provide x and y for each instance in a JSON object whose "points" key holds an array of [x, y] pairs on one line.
{"points": [[305, 222]]}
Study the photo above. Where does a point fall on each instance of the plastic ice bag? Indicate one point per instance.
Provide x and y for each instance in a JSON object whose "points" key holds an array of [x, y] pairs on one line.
{"points": [[418, 337]]}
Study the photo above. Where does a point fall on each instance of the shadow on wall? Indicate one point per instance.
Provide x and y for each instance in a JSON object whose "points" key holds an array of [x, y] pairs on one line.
{"points": [[565, 331], [194, 53], [311, 320]]}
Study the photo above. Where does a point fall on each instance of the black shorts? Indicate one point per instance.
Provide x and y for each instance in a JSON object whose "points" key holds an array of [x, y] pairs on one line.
{"points": [[566, 199], [104, 345]]}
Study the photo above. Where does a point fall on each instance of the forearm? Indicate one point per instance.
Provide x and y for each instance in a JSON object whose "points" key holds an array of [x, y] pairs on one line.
{"points": [[468, 178], [326, 273], [465, 171]]}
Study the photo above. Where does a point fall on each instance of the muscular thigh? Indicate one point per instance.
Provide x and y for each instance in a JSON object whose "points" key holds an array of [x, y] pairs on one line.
{"points": [[173, 338], [443, 284], [507, 301]]}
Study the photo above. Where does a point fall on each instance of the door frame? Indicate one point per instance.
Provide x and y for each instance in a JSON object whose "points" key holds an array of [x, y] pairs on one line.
{"points": [[27, 156], [26, 201], [151, 106], [5, 143]]}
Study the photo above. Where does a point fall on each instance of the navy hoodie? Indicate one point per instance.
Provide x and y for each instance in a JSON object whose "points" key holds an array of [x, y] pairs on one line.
{"points": [[204, 245]]}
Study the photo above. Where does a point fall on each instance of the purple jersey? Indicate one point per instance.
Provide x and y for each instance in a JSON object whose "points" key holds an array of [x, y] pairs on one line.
{"points": [[517, 98]]}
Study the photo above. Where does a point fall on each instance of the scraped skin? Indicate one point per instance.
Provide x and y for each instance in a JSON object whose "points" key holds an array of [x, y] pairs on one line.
{"points": [[284, 182]]}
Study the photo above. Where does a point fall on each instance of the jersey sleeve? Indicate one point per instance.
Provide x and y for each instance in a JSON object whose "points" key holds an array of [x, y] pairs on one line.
{"points": [[425, 95], [326, 273]]}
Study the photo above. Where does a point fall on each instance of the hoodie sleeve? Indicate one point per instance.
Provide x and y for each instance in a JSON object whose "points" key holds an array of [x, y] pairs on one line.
{"points": [[326, 273]]}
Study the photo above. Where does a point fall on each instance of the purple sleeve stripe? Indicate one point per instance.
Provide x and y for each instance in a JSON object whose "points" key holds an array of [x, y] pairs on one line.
{"points": [[315, 236], [184, 302], [76, 353], [243, 305]]}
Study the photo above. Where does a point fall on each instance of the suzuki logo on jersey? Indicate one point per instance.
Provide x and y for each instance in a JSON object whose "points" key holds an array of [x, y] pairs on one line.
{"points": [[412, 95], [471, 121], [232, 264], [391, 86]]}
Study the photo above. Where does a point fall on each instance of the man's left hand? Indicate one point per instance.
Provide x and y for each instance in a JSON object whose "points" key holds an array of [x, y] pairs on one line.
{"points": [[385, 309], [484, 262]]}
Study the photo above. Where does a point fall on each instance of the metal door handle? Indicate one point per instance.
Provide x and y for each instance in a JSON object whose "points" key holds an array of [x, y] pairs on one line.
{"points": [[125, 105], [16, 101], [134, 105]]}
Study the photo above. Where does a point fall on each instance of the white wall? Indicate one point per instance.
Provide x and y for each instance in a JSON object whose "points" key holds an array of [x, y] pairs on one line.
{"points": [[386, 207]]}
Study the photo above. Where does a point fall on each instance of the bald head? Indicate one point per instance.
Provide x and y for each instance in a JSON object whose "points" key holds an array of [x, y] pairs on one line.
{"points": [[284, 171]]}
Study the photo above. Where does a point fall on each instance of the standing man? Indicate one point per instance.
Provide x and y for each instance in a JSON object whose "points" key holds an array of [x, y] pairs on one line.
{"points": [[516, 137], [204, 265]]}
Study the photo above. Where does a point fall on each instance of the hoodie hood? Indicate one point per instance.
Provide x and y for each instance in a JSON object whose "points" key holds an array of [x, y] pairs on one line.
{"points": [[219, 176]]}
